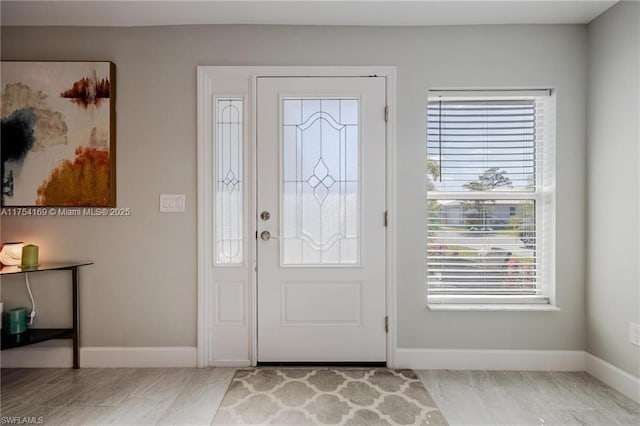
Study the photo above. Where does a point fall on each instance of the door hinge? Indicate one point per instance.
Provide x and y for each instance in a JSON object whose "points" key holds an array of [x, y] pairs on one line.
{"points": [[386, 219], [386, 324], [386, 113]]}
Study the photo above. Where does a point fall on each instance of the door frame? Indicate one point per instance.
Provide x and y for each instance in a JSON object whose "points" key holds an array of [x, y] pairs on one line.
{"points": [[215, 80]]}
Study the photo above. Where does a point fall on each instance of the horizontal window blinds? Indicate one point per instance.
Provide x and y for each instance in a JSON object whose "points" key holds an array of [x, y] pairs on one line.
{"points": [[490, 194]]}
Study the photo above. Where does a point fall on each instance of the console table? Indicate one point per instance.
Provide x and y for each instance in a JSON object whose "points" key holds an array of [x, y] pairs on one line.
{"points": [[37, 335]]}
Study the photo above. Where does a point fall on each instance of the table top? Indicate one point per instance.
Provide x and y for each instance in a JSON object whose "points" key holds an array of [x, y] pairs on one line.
{"points": [[44, 266]]}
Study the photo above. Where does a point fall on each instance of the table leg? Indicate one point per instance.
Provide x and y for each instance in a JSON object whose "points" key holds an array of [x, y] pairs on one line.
{"points": [[76, 330]]}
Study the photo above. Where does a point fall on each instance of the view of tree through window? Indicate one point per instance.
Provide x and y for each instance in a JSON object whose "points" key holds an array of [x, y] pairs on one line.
{"points": [[485, 158]]}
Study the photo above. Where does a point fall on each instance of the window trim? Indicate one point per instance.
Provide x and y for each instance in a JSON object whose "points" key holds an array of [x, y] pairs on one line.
{"points": [[545, 201]]}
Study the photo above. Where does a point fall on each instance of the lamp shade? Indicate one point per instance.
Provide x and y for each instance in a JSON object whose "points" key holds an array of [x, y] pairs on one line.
{"points": [[11, 254]]}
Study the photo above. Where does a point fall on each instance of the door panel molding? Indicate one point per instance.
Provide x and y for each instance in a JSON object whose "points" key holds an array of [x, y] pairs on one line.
{"points": [[218, 343], [294, 316]]}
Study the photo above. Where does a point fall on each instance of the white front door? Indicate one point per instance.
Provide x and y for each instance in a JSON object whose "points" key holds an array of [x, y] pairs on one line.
{"points": [[321, 235]]}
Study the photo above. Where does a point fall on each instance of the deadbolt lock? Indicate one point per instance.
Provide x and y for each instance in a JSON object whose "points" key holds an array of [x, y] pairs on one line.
{"points": [[265, 215]]}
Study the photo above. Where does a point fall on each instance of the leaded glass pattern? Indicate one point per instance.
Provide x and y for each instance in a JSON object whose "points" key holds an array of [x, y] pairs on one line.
{"points": [[229, 198], [320, 182]]}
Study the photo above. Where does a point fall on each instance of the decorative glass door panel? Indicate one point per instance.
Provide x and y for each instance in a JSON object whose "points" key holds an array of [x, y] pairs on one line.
{"points": [[320, 181]]}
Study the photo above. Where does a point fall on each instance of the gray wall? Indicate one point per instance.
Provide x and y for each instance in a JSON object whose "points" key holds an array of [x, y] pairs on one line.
{"points": [[613, 284], [142, 289]]}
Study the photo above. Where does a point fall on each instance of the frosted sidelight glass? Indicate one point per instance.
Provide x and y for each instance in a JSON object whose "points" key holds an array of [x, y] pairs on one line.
{"points": [[229, 197], [320, 182]]}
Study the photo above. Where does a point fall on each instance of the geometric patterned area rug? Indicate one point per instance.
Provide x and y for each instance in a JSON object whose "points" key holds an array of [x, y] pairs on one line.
{"points": [[327, 396]]}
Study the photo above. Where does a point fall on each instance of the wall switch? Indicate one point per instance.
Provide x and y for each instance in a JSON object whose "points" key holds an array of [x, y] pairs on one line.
{"points": [[172, 203], [634, 333]]}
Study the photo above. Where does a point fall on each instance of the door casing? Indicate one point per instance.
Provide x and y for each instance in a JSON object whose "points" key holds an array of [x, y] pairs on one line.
{"points": [[213, 81]]}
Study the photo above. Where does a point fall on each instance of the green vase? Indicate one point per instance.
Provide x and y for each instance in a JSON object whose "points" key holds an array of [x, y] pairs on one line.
{"points": [[16, 320]]}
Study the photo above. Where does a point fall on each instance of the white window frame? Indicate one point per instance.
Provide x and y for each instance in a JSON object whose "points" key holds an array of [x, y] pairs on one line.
{"points": [[545, 214]]}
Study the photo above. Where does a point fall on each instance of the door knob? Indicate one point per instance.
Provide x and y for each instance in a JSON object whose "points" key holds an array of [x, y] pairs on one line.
{"points": [[266, 236]]}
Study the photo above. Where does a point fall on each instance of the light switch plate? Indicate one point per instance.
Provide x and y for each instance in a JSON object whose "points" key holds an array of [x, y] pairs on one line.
{"points": [[172, 203], [634, 333]]}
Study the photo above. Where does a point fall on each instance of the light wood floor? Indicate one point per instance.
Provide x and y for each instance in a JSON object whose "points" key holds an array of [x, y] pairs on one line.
{"points": [[527, 398], [189, 396]]}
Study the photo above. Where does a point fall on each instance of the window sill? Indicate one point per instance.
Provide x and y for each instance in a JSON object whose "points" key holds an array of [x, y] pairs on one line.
{"points": [[491, 307]]}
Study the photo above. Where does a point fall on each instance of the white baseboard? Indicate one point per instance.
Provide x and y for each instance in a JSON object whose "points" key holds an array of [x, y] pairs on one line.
{"points": [[230, 363], [478, 359], [98, 357], [428, 359], [161, 356], [611, 375]]}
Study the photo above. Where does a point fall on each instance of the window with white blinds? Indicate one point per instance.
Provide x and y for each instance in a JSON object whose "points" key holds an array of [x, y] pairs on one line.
{"points": [[490, 188]]}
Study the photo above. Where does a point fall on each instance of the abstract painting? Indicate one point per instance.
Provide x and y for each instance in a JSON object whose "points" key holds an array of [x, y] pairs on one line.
{"points": [[58, 134]]}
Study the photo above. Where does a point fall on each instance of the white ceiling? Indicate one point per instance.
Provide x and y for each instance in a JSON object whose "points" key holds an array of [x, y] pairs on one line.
{"points": [[299, 12]]}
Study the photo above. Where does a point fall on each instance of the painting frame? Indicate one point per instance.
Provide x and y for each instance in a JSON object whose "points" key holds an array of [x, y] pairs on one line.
{"points": [[58, 122]]}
